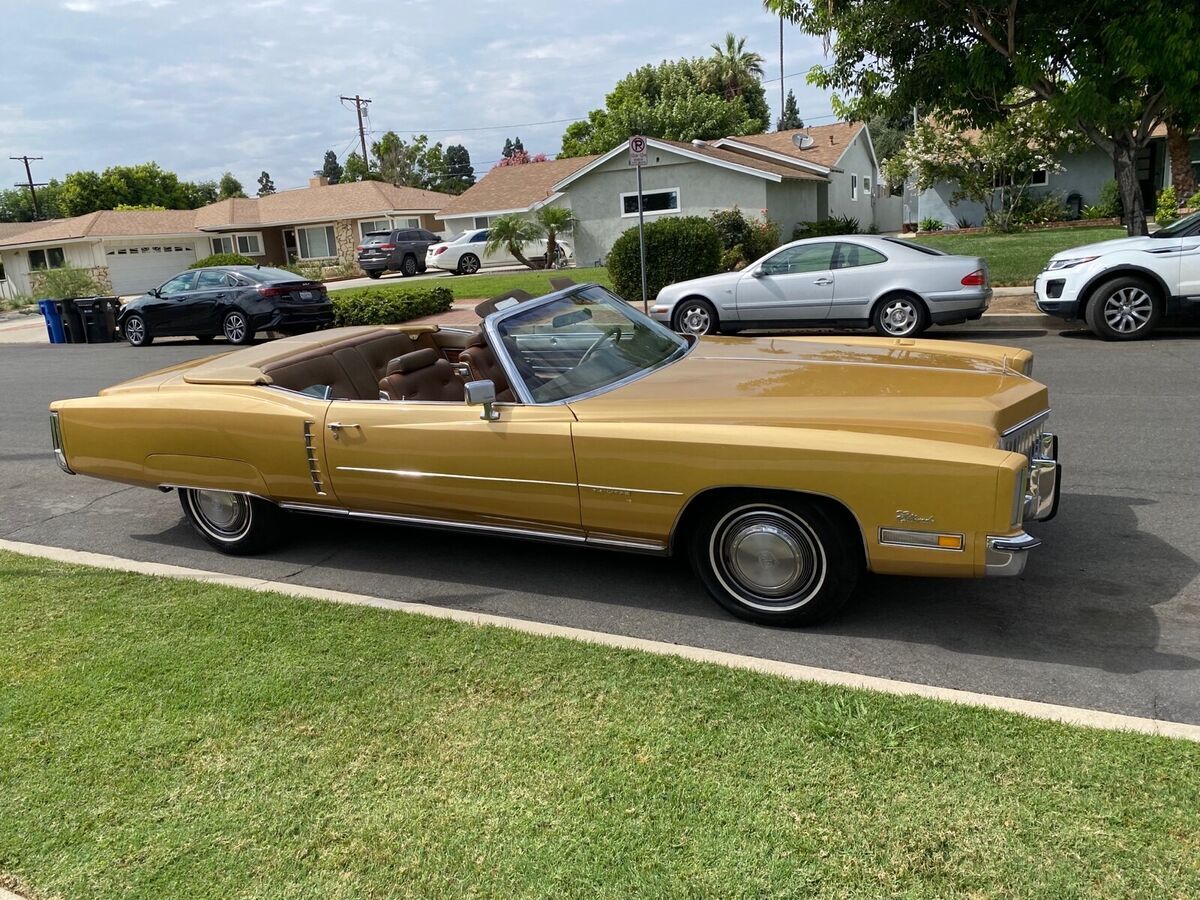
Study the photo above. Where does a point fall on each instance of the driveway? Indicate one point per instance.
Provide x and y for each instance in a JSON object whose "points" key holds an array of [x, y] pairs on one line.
{"points": [[1106, 616]]}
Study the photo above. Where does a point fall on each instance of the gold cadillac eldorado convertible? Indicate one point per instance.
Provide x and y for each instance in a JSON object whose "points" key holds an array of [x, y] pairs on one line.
{"points": [[783, 467]]}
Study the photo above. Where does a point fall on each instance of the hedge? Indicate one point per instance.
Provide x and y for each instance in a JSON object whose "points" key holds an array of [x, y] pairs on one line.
{"points": [[676, 249], [388, 304], [223, 259]]}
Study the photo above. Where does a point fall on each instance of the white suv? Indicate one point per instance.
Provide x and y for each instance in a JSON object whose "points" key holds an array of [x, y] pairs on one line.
{"points": [[1124, 288]]}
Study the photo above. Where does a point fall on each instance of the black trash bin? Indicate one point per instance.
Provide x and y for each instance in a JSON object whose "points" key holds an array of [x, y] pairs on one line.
{"points": [[99, 318], [72, 322]]}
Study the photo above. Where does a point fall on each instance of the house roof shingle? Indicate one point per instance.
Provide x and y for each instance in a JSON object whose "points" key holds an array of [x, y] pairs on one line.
{"points": [[330, 201], [829, 142], [105, 223], [513, 187], [741, 159]]}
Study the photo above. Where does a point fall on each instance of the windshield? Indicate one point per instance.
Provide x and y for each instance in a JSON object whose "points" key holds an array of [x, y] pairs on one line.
{"points": [[582, 342], [1175, 229]]}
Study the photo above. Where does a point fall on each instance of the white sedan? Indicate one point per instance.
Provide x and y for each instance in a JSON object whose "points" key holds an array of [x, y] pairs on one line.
{"points": [[464, 254], [893, 285]]}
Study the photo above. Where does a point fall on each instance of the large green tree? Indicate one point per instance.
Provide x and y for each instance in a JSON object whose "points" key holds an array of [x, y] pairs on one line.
{"points": [[331, 168], [459, 173], [681, 100], [358, 169], [1113, 69], [17, 206], [790, 119], [229, 187]]}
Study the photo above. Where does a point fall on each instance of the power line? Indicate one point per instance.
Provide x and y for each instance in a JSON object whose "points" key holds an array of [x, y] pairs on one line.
{"points": [[29, 181]]}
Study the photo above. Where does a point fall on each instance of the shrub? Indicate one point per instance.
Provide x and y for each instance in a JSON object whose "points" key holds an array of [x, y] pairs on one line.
{"points": [[764, 237], [1093, 211], [311, 271], [677, 249], [732, 228], [733, 259], [1031, 211], [388, 304], [743, 240], [66, 283], [1108, 201], [223, 259], [930, 224], [1168, 206], [1193, 202], [826, 227], [16, 302]]}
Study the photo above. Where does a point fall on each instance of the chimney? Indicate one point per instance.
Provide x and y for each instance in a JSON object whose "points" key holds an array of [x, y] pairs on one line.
{"points": [[318, 181], [831, 140]]}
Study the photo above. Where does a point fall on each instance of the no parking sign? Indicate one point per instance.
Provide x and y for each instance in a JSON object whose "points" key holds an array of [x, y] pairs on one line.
{"points": [[637, 150]]}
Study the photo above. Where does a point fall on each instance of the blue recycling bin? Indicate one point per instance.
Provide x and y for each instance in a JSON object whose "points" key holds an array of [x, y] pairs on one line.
{"points": [[52, 313]]}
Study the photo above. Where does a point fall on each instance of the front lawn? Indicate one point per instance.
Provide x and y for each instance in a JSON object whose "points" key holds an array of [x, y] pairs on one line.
{"points": [[164, 739], [480, 287], [1016, 259]]}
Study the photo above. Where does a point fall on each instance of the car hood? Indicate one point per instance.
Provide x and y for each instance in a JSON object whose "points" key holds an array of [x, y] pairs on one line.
{"points": [[965, 393], [1113, 246]]}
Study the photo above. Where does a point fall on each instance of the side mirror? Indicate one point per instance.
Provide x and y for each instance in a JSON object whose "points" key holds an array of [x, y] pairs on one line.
{"points": [[758, 272], [153, 292], [482, 393]]}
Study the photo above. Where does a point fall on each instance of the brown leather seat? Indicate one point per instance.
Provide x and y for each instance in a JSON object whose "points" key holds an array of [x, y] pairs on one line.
{"points": [[484, 366], [422, 375]]}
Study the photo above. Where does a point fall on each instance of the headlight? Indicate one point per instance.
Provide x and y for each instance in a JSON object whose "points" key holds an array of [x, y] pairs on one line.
{"points": [[1068, 263]]}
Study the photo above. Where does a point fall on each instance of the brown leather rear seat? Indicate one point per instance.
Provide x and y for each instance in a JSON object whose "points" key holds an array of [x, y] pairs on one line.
{"points": [[352, 369], [422, 375]]}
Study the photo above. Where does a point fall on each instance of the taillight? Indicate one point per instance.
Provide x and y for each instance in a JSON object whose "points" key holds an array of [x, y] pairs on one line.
{"points": [[387, 246], [439, 251], [361, 248], [978, 278], [265, 291]]}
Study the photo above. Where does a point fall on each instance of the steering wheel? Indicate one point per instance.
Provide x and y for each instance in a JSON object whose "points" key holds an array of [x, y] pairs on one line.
{"points": [[612, 331]]}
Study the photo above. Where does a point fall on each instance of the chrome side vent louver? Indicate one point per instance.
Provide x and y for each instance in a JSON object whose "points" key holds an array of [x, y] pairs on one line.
{"points": [[314, 468]]}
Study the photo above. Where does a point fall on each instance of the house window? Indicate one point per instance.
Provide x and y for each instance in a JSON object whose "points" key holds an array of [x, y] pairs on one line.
{"points": [[366, 226], [2, 278], [482, 222], [247, 244], [222, 244], [1040, 178], [250, 244], [317, 242], [659, 201], [866, 185], [50, 258], [853, 187], [410, 223]]}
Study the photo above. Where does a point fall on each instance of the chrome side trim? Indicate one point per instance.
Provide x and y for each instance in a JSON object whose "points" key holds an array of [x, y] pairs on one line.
{"points": [[412, 473], [314, 467], [60, 455], [837, 362], [609, 488], [1006, 556], [1009, 432]]}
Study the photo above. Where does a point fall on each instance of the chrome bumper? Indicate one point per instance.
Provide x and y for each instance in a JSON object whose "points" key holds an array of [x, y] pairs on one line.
{"points": [[1045, 480], [1006, 555]]}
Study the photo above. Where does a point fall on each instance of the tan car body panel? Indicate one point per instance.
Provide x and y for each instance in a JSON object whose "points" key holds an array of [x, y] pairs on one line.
{"points": [[882, 427]]}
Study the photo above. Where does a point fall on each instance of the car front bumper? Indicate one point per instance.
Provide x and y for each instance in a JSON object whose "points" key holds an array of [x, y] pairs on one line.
{"points": [[1007, 554], [1056, 295]]}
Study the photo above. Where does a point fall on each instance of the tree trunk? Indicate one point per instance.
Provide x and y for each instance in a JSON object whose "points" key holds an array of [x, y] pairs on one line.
{"points": [[551, 246], [1179, 149], [1133, 211], [520, 257]]}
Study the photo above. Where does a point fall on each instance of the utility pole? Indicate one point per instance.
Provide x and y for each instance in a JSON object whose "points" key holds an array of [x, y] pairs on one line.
{"points": [[781, 101], [29, 181], [359, 103]]}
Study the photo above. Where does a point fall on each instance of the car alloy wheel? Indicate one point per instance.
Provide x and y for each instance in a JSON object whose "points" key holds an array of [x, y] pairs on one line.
{"points": [[900, 317], [469, 264], [408, 268], [695, 317], [135, 331], [233, 523], [236, 329], [1128, 310]]}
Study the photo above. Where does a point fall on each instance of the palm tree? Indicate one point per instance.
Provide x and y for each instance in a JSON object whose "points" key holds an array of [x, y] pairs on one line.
{"points": [[512, 233], [734, 65], [555, 220]]}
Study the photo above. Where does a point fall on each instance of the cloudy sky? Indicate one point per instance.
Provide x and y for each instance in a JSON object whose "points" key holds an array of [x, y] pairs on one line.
{"points": [[201, 86]]}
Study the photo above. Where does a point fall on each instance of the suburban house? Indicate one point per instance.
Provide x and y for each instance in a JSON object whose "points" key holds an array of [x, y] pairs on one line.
{"points": [[130, 251], [787, 177], [1078, 184]]}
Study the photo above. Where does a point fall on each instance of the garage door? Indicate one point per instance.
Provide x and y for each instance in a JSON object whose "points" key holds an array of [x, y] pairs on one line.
{"points": [[135, 268]]}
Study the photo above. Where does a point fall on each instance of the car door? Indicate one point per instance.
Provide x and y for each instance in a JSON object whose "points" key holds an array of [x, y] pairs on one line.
{"points": [[1189, 264], [167, 313], [444, 462], [857, 272], [793, 285], [210, 293], [498, 257]]}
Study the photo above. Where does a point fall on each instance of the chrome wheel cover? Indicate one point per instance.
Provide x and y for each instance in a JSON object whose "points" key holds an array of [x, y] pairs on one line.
{"points": [[235, 328], [223, 516], [135, 330], [1128, 310], [695, 319], [768, 558], [900, 317]]}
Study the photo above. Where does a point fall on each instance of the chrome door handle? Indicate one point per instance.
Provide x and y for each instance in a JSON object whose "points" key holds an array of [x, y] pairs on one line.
{"points": [[823, 281], [336, 428]]}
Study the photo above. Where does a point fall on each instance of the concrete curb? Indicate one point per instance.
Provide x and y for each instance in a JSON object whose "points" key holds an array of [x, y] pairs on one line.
{"points": [[1088, 718]]}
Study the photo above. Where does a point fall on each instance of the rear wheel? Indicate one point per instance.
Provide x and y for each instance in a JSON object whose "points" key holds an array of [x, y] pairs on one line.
{"points": [[469, 264], [776, 562], [902, 315], [236, 524], [408, 268], [374, 273], [236, 328], [136, 331], [695, 316], [1123, 309]]}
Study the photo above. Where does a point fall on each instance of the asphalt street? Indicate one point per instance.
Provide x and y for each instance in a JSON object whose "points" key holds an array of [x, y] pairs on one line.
{"points": [[1106, 616]]}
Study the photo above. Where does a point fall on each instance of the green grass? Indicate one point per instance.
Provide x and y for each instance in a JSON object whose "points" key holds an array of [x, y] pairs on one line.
{"points": [[167, 739], [480, 287], [1016, 259]]}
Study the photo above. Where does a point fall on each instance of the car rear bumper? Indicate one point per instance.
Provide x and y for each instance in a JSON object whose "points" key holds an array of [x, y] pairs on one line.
{"points": [[958, 306], [284, 319]]}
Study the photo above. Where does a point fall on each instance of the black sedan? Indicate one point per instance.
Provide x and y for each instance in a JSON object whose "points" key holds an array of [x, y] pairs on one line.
{"points": [[233, 301]]}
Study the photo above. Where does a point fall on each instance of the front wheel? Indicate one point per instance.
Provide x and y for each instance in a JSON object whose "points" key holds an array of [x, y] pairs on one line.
{"points": [[776, 562], [695, 316], [237, 524], [901, 316], [137, 332], [205, 338], [1123, 309], [236, 328], [469, 264]]}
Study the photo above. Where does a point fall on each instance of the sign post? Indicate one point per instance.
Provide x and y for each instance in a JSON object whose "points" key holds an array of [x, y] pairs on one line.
{"points": [[637, 159]]}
